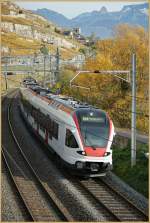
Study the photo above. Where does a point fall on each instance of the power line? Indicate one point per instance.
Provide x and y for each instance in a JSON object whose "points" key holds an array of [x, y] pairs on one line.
{"points": [[90, 88], [129, 111], [140, 98]]}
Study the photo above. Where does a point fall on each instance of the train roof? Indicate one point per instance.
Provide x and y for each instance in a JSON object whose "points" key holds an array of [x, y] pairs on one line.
{"points": [[70, 102], [66, 101]]}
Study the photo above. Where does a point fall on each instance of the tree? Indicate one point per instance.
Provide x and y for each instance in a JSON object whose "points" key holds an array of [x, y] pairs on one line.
{"points": [[44, 50], [108, 92], [92, 37]]}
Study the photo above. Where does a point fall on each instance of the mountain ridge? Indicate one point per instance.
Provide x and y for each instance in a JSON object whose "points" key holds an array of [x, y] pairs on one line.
{"points": [[102, 22]]}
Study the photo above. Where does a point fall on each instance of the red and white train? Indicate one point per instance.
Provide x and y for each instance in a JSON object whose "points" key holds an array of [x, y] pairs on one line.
{"points": [[79, 134]]}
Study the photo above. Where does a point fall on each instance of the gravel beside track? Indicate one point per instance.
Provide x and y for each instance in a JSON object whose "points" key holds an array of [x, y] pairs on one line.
{"points": [[136, 198], [13, 208], [113, 201]]}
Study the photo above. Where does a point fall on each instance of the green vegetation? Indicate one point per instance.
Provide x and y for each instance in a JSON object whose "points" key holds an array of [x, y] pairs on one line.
{"points": [[137, 176], [20, 68], [44, 50]]}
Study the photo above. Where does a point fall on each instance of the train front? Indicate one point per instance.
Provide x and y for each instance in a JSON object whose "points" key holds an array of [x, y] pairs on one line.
{"points": [[96, 132]]}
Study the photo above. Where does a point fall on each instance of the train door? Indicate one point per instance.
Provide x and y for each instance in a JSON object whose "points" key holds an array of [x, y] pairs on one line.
{"points": [[50, 131], [61, 139], [71, 144]]}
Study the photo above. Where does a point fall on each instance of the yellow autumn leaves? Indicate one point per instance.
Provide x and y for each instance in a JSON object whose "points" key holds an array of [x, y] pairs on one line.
{"points": [[108, 92]]}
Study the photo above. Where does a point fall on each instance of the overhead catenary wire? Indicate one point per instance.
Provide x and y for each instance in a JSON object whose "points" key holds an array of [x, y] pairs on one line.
{"points": [[138, 98], [117, 108]]}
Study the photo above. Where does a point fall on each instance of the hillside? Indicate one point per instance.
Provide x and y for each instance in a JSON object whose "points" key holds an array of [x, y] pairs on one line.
{"points": [[101, 22], [107, 91], [24, 32], [53, 16]]}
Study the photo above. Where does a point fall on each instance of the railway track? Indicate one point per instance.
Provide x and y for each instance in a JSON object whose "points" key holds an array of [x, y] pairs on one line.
{"points": [[42, 205], [112, 205], [113, 201], [10, 198], [51, 178]]}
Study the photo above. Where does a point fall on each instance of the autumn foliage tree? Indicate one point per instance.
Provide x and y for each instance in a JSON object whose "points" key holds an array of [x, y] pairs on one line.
{"points": [[108, 92]]}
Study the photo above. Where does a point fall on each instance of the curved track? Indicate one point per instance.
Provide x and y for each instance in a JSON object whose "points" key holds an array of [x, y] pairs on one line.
{"points": [[41, 204], [112, 205], [13, 207]]}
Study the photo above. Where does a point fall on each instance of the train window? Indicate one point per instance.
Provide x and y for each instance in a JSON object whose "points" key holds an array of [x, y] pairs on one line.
{"points": [[32, 110], [55, 130], [50, 135], [42, 128], [94, 127], [50, 128], [46, 121], [40, 117], [70, 140]]}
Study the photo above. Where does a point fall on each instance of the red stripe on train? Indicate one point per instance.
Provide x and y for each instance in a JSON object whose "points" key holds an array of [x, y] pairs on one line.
{"points": [[89, 150], [77, 125], [94, 152]]}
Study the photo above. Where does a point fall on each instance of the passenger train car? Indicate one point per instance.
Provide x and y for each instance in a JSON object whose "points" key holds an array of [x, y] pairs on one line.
{"points": [[79, 134]]}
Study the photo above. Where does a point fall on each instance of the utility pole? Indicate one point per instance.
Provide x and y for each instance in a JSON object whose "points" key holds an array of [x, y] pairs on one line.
{"points": [[6, 74], [50, 73], [57, 64], [44, 50], [133, 121], [44, 70]]}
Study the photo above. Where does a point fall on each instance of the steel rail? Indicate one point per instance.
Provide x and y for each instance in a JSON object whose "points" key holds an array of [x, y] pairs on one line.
{"points": [[122, 196], [16, 185], [49, 192], [106, 195], [116, 218]]}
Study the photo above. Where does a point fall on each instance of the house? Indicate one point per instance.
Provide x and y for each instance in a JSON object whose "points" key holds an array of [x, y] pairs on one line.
{"points": [[76, 31], [68, 33]]}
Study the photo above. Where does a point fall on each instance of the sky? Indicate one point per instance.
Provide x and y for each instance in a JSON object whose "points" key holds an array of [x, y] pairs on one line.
{"points": [[72, 8]]}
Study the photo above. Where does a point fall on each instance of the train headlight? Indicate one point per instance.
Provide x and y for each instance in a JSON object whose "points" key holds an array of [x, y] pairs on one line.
{"points": [[106, 153], [81, 152], [79, 165], [114, 134]]}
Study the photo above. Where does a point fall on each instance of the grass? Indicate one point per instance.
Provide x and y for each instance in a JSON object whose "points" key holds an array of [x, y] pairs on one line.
{"points": [[20, 68], [24, 21], [19, 45], [16, 20], [22, 46], [15, 80], [12, 81], [137, 176]]}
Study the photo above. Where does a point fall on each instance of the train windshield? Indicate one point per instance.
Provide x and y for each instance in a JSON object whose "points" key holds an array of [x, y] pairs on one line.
{"points": [[94, 126]]}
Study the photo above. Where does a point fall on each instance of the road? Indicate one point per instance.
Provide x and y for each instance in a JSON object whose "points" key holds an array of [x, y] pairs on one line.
{"points": [[127, 134]]}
